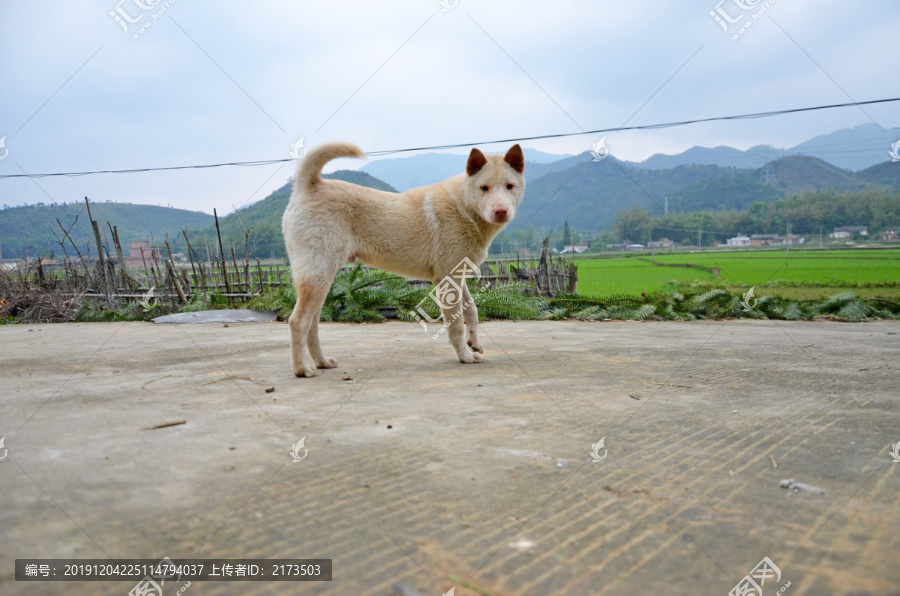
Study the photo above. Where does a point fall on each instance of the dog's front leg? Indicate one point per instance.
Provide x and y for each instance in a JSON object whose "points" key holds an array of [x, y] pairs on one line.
{"points": [[471, 318], [455, 324]]}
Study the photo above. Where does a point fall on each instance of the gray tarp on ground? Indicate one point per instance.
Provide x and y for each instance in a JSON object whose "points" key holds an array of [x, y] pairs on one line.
{"points": [[236, 315]]}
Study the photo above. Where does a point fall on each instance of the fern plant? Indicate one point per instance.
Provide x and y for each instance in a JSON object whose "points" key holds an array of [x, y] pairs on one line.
{"points": [[846, 306], [204, 300], [357, 295], [511, 301], [280, 299]]}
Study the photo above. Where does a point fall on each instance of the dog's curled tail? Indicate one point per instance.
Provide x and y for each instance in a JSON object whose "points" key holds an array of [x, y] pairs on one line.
{"points": [[310, 169]]}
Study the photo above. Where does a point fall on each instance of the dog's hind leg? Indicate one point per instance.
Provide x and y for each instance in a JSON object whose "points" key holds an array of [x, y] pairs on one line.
{"points": [[311, 293], [315, 349], [470, 317]]}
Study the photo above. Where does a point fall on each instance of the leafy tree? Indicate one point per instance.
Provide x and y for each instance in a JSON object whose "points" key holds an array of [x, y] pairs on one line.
{"points": [[566, 239], [633, 225], [531, 241]]}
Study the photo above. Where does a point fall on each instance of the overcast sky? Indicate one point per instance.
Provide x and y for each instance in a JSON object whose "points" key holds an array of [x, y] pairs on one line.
{"points": [[212, 82]]}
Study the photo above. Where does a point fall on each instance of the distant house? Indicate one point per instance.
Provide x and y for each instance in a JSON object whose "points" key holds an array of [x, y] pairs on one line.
{"points": [[661, 243], [523, 252], [775, 240], [891, 234], [850, 230], [762, 239], [579, 248], [141, 253], [789, 239], [24, 264], [635, 247], [738, 241]]}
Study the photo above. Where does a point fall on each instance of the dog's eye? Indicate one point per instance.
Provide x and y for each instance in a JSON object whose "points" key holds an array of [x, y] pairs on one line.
{"points": [[485, 188], [509, 187]]}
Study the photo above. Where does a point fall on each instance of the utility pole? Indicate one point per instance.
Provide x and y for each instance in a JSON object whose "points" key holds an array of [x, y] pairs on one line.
{"points": [[789, 239]]}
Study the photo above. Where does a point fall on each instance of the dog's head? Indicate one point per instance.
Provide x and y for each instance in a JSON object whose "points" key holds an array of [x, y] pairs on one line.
{"points": [[495, 184]]}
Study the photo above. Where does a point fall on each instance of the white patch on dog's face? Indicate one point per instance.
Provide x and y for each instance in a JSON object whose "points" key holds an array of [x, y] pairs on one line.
{"points": [[496, 189], [498, 197]]}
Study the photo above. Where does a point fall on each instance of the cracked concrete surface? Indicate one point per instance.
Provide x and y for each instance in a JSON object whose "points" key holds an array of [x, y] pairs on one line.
{"points": [[428, 473]]}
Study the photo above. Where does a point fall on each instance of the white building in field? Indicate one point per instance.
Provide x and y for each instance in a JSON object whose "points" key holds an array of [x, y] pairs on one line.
{"points": [[579, 248], [738, 241], [850, 230]]}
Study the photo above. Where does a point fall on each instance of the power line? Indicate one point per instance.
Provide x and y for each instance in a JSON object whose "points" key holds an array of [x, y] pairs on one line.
{"points": [[136, 170], [642, 127], [464, 145]]}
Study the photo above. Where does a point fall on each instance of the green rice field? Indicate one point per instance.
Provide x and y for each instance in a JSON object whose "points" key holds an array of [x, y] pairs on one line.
{"points": [[798, 274]]}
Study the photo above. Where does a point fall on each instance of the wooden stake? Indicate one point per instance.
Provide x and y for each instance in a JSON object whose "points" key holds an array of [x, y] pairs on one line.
{"points": [[236, 270], [259, 272], [190, 255], [171, 267], [222, 253]]}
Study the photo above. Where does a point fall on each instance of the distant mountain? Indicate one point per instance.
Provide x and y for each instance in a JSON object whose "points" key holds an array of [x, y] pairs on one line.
{"points": [[533, 171], [405, 173], [589, 194], [754, 157], [853, 149], [535, 156], [585, 193], [849, 148], [33, 229], [361, 178]]}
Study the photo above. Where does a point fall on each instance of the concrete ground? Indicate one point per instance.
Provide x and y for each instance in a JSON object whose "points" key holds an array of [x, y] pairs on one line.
{"points": [[428, 474]]}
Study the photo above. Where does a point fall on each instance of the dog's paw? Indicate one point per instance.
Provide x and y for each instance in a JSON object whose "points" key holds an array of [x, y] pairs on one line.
{"points": [[476, 346], [327, 363], [469, 357], [307, 371]]}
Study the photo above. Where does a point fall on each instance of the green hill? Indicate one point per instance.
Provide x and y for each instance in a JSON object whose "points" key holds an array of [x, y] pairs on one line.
{"points": [[30, 229], [797, 173], [589, 194], [887, 174]]}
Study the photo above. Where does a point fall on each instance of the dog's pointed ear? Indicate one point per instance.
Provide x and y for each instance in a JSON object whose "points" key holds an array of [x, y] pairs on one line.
{"points": [[476, 162], [515, 158]]}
